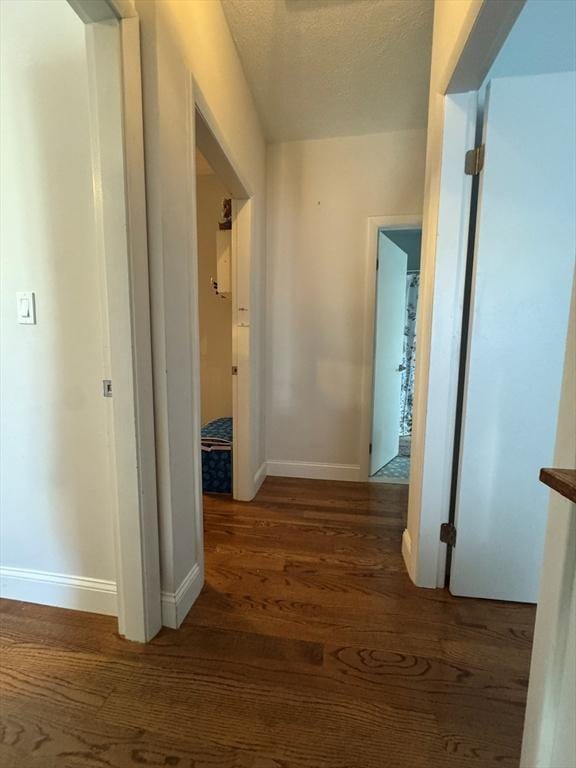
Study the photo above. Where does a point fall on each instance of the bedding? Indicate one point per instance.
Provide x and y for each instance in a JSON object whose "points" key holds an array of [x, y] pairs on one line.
{"points": [[217, 456]]}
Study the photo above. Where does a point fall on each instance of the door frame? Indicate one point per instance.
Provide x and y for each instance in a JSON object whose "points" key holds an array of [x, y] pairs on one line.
{"points": [[373, 226], [479, 43], [115, 95], [444, 254], [433, 443], [213, 146]]}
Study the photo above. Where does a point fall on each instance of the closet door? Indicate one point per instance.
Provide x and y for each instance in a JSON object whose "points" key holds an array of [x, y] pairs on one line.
{"points": [[523, 272]]}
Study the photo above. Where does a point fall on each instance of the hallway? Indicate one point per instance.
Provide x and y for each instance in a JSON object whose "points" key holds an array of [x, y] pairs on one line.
{"points": [[308, 647]]}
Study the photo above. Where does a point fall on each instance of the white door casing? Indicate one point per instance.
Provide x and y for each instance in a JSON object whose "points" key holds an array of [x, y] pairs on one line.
{"points": [[113, 51]]}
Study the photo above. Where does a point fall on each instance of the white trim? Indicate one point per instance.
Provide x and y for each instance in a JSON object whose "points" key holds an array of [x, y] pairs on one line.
{"points": [[238, 431], [210, 141], [175, 605], [143, 533], [407, 552], [243, 477], [93, 11], [260, 476], [374, 225], [113, 55], [213, 145], [124, 9], [436, 398], [313, 470], [484, 31], [58, 589], [178, 613]]}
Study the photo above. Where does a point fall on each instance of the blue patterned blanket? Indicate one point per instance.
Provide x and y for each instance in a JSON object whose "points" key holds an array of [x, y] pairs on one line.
{"points": [[217, 456], [217, 434]]}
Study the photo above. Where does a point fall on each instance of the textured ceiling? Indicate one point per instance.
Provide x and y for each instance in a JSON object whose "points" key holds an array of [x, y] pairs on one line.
{"points": [[321, 68]]}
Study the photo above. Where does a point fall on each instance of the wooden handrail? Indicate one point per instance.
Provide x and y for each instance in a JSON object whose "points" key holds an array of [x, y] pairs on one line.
{"points": [[561, 480]]}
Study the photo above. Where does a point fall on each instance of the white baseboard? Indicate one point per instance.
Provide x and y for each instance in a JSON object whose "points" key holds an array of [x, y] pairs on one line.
{"points": [[407, 553], [313, 470], [59, 589], [175, 605], [259, 477]]}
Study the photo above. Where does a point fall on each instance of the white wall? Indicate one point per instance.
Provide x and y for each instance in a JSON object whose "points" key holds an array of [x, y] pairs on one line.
{"points": [[56, 495], [542, 41], [187, 49], [215, 311], [549, 734], [547, 30], [320, 194]]}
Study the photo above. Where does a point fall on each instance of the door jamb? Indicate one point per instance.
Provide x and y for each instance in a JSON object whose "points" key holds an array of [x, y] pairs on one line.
{"points": [[215, 150], [374, 225], [113, 50], [425, 554]]}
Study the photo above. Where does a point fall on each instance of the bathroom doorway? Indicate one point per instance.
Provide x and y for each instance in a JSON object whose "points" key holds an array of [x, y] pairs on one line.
{"points": [[396, 303]]}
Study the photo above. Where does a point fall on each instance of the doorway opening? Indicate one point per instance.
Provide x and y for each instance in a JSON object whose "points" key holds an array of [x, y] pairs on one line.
{"points": [[214, 228], [224, 245], [394, 352]]}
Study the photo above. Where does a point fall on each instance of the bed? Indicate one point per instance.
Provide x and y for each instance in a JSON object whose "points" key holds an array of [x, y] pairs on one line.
{"points": [[217, 456]]}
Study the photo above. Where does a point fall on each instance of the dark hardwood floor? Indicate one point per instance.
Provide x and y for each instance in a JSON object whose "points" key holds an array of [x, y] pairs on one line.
{"points": [[308, 647]]}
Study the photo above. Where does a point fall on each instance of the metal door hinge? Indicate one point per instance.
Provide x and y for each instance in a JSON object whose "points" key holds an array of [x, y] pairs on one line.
{"points": [[234, 370], [474, 161], [377, 264], [448, 534], [107, 387], [370, 449]]}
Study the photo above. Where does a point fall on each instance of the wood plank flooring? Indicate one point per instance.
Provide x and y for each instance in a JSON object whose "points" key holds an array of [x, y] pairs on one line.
{"points": [[308, 648]]}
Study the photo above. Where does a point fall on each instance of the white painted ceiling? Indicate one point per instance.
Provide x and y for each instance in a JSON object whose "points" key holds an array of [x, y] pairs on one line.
{"points": [[321, 68]]}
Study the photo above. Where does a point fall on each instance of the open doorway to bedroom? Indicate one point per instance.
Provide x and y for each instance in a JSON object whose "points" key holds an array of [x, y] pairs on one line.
{"points": [[214, 227], [223, 263], [396, 304]]}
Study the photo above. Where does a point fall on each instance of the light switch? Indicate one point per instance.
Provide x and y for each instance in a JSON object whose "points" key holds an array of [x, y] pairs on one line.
{"points": [[26, 307]]}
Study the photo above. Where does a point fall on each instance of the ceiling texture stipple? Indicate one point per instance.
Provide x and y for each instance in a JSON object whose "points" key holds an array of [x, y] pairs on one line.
{"points": [[320, 68]]}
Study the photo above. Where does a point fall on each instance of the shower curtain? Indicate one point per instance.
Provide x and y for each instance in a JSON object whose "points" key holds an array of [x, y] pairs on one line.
{"points": [[409, 355]]}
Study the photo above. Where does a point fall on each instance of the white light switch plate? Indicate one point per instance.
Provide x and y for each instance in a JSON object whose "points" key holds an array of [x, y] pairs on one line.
{"points": [[26, 307]]}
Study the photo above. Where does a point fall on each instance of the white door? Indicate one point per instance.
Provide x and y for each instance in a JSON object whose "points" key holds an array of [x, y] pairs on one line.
{"points": [[523, 272], [388, 346]]}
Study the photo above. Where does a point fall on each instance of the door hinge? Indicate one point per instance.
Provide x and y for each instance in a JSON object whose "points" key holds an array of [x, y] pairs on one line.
{"points": [[448, 534], [377, 264], [474, 161], [234, 370], [107, 387], [370, 449]]}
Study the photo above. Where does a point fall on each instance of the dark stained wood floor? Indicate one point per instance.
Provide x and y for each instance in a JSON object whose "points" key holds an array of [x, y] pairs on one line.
{"points": [[309, 648]]}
